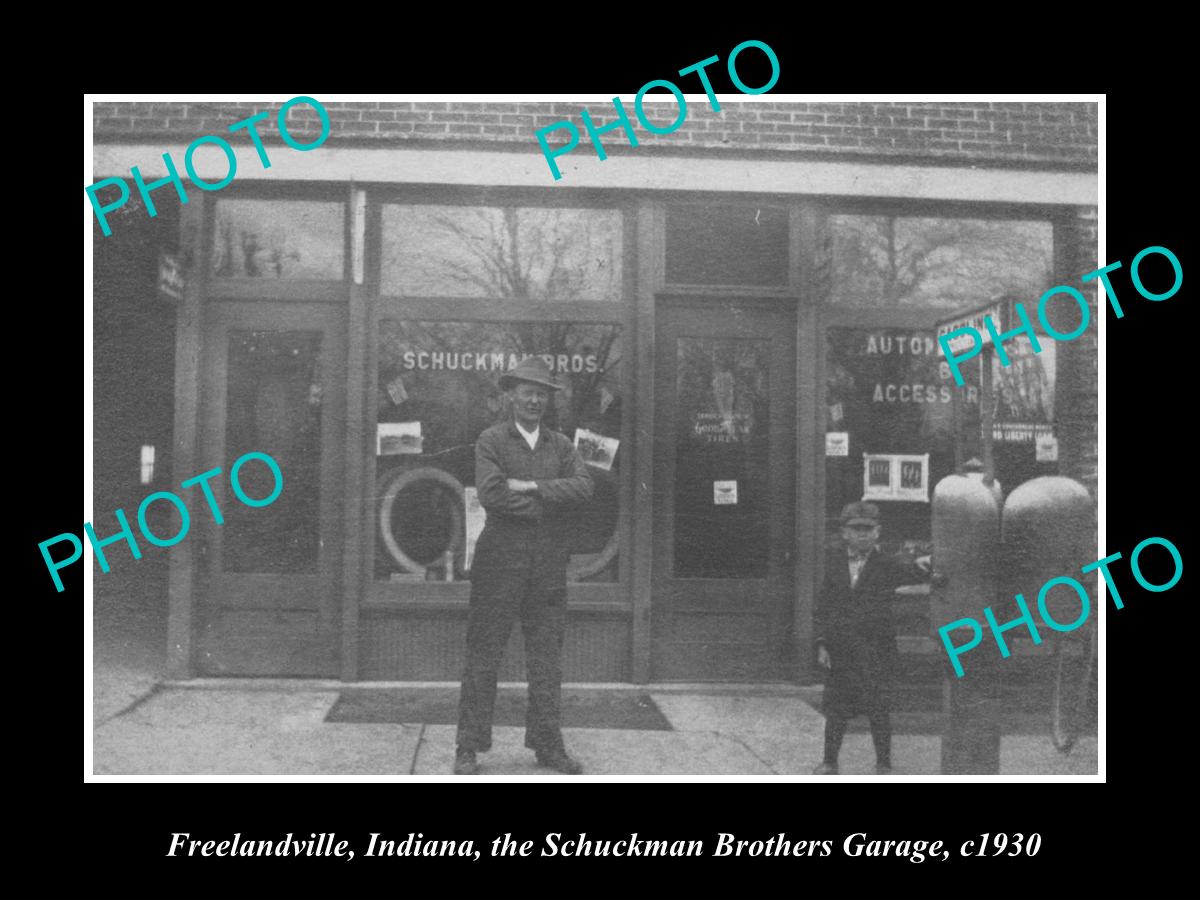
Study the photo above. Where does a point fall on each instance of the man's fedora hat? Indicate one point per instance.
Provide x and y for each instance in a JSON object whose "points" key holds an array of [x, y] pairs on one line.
{"points": [[532, 369], [860, 514]]}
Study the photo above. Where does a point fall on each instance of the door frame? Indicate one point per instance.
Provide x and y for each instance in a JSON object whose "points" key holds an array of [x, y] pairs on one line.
{"points": [[778, 587], [808, 270], [287, 596]]}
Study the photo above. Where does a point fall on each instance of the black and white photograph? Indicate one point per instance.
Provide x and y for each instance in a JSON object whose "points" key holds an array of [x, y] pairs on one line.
{"points": [[596, 449], [471, 440]]}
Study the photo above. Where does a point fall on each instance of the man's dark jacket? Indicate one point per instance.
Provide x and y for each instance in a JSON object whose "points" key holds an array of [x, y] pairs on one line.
{"points": [[527, 530], [857, 628]]}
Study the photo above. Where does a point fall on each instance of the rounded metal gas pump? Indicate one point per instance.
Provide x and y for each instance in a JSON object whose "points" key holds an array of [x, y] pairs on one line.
{"points": [[1048, 533], [966, 533]]}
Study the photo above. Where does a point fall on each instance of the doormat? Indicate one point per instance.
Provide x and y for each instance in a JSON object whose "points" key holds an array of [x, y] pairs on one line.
{"points": [[627, 710]]}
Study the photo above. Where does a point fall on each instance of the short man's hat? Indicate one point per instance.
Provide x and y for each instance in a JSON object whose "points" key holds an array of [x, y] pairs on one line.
{"points": [[860, 514], [532, 369]]}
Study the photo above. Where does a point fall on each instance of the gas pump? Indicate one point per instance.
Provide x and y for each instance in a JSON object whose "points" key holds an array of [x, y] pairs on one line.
{"points": [[986, 551], [966, 554], [966, 542], [1048, 526]]}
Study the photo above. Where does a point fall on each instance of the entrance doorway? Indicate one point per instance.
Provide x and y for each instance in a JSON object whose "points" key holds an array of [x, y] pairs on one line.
{"points": [[724, 476], [269, 578]]}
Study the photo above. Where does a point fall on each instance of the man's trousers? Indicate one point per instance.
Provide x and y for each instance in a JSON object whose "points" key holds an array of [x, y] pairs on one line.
{"points": [[498, 598]]}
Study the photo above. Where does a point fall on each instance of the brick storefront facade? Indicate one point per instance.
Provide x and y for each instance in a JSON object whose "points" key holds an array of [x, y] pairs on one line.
{"points": [[364, 205], [1043, 134]]}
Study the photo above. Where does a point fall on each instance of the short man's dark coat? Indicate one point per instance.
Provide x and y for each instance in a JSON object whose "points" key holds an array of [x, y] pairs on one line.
{"points": [[856, 626]]}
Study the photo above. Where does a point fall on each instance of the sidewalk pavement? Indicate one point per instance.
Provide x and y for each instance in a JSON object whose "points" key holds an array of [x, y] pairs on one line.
{"points": [[277, 728]]}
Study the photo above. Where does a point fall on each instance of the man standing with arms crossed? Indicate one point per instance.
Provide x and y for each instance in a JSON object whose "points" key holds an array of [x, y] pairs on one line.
{"points": [[529, 480]]}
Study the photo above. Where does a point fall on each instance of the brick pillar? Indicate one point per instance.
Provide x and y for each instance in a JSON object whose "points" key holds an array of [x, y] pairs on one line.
{"points": [[1076, 404]]}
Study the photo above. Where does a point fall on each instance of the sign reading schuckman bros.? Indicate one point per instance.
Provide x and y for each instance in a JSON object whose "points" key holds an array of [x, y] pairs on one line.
{"points": [[474, 360]]}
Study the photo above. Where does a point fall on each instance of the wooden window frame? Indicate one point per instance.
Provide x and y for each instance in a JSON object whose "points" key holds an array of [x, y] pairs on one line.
{"points": [[436, 596], [300, 290]]}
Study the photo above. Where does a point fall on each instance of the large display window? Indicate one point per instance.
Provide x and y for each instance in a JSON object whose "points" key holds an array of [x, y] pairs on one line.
{"points": [[436, 391], [890, 419], [466, 290]]}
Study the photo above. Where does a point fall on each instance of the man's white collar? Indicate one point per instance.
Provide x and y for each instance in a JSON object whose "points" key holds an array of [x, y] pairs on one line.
{"points": [[531, 437]]}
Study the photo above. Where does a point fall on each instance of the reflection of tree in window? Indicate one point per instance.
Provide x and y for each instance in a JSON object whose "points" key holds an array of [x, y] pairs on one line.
{"points": [[895, 261], [519, 253]]}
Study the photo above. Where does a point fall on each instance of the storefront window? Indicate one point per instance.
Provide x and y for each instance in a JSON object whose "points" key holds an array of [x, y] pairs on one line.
{"points": [[952, 263], [273, 406], [722, 458], [726, 244], [502, 253], [278, 239], [890, 423], [437, 390]]}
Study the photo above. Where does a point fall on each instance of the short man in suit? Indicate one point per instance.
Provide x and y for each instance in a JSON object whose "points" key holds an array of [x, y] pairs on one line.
{"points": [[856, 634], [530, 480]]}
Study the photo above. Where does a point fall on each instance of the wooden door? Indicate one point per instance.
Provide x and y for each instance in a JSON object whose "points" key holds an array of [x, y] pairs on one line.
{"points": [[724, 492], [273, 382]]}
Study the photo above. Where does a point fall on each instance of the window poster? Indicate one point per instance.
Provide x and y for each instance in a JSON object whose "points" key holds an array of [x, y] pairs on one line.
{"points": [[596, 449], [896, 476]]}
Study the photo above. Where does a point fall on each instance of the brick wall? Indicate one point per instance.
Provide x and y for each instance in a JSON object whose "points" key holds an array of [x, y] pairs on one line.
{"points": [[1047, 134], [1077, 399]]}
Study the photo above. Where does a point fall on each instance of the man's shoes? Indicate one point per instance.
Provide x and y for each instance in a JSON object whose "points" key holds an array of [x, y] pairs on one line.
{"points": [[465, 763], [559, 761], [825, 769], [883, 769]]}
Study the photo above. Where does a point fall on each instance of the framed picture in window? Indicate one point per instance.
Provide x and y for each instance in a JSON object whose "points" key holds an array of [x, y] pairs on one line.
{"points": [[896, 476]]}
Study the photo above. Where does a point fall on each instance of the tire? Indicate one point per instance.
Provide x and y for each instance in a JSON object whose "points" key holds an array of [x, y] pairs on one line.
{"points": [[390, 487]]}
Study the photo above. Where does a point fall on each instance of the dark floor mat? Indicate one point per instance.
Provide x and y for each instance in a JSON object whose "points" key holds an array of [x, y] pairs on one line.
{"points": [[631, 710]]}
